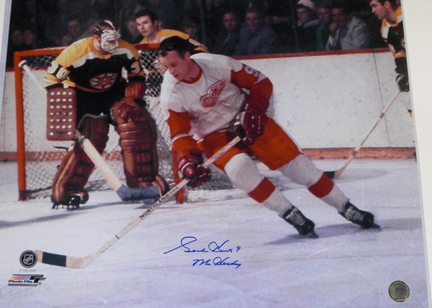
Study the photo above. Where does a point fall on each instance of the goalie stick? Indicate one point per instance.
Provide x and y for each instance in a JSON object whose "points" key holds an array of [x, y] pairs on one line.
{"points": [[338, 173], [80, 262], [125, 193]]}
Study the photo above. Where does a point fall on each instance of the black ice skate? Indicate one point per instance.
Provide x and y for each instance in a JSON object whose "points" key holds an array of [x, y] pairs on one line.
{"points": [[74, 202], [362, 218], [55, 203], [296, 218]]}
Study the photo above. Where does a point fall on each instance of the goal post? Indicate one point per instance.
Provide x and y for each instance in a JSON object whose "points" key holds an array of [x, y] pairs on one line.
{"points": [[21, 111], [38, 158]]}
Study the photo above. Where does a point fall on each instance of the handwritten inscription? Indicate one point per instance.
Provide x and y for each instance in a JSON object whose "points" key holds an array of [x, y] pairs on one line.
{"points": [[188, 245], [216, 261]]}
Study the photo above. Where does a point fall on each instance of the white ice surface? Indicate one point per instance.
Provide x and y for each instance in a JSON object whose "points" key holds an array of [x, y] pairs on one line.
{"points": [[345, 267]]}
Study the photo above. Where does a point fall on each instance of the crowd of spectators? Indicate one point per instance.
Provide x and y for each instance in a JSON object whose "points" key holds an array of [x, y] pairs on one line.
{"points": [[231, 27]]}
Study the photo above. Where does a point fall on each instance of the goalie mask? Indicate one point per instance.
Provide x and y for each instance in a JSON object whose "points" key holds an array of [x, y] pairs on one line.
{"points": [[109, 40], [108, 34]]}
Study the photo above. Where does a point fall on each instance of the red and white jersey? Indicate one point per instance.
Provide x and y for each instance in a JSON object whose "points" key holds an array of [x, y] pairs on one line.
{"points": [[214, 99]]}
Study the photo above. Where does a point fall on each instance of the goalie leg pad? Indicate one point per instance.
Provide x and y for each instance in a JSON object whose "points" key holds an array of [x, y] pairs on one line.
{"points": [[73, 173], [96, 129], [71, 176], [139, 153], [138, 137]]}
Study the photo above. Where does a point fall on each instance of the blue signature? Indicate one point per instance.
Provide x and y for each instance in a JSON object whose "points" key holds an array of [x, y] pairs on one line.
{"points": [[216, 261], [211, 247]]}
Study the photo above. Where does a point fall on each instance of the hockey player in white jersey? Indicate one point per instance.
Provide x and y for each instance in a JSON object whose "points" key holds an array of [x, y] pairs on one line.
{"points": [[211, 98]]}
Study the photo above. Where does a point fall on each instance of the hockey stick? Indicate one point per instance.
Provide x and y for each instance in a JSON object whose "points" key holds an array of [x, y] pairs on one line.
{"points": [[80, 262], [338, 173], [125, 193]]}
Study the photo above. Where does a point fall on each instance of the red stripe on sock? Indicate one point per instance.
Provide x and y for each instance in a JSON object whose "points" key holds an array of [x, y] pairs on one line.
{"points": [[323, 187], [262, 191]]}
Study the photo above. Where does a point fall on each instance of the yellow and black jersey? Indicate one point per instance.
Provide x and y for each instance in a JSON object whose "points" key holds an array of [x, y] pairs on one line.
{"points": [[149, 58], [393, 35], [196, 46], [82, 67]]}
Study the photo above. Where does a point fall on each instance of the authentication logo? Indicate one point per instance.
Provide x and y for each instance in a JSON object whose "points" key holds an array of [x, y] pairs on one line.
{"points": [[26, 280], [28, 258], [399, 291]]}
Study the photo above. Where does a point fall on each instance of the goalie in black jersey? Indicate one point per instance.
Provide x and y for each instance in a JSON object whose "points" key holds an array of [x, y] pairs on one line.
{"points": [[95, 68]]}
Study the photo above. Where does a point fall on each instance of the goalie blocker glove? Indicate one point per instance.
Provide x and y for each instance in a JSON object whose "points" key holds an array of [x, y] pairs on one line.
{"points": [[190, 167], [250, 121]]}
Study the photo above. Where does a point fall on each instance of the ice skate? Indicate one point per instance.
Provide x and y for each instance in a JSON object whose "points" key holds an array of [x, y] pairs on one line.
{"points": [[303, 225], [74, 201], [362, 218], [55, 203]]}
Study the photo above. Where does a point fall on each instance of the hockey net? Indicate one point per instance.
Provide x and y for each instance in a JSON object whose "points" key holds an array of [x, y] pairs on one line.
{"points": [[38, 158]]}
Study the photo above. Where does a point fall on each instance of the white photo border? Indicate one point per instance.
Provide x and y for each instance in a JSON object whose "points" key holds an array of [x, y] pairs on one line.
{"points": [[417, 23]]}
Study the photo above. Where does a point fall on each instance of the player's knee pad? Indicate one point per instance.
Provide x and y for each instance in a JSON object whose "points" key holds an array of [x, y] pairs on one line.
{"points": [[75, 169], [243, 172], [302, 170]]}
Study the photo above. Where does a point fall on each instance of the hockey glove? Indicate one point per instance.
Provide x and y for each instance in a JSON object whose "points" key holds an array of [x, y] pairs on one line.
{"points": [[190, 167], [251, 118], [402, 82], [61, 114]]}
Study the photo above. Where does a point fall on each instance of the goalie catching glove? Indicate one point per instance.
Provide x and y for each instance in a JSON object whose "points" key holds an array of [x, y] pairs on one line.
{"points": [[190, 167], [250, 121]]}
